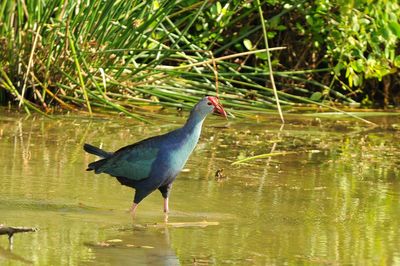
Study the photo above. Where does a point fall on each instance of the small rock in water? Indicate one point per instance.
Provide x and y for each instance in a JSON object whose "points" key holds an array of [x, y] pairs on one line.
{"points": [[219, 175]]}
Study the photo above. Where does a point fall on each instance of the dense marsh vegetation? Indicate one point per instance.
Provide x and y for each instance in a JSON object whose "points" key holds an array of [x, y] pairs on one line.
{"points": [[133, 56]]}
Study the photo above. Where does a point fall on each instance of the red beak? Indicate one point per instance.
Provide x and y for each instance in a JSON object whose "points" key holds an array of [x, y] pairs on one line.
{"points": [[218, 109]]}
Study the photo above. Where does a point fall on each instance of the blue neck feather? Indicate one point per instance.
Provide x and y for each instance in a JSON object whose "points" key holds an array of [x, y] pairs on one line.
{"points": [[194, 122]]}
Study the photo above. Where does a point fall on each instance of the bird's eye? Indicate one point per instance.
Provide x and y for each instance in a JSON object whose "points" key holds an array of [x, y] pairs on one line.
{"points": [[209, 103]]}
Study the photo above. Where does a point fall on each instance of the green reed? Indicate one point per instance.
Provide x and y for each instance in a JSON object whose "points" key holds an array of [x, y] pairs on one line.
{"points": [[121, 55]]}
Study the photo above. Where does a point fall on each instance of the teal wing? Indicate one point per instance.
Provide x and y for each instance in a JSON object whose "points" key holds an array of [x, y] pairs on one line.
{"points": [[133, 162]]}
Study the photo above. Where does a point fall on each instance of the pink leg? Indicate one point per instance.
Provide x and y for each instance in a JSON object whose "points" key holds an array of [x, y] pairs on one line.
{"points": [[166, 208], [132, 210]]}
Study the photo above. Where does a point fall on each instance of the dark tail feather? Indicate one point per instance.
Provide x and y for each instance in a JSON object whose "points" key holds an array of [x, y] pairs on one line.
{"points": [[95, 165], [96, 151]]}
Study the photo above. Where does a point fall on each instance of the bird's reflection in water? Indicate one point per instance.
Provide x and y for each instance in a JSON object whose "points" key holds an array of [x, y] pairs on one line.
{"points": [[136, 246], [7, 254]]}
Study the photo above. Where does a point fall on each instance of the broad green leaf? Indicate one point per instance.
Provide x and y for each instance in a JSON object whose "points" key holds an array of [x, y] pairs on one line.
{"points": [[396, 61], [358, 65], [219, 8], [156, 5], [316, 96], [338, 68], [395, 28], [281, 27], [262, 55], [271, 34], [247, 43], [356, 79]]}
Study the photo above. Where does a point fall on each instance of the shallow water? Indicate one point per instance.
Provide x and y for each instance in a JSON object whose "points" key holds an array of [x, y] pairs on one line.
{"points": [[334, 199]]}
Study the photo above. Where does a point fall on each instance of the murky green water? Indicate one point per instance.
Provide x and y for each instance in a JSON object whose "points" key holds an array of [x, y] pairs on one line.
{"points": [[336, 201]]}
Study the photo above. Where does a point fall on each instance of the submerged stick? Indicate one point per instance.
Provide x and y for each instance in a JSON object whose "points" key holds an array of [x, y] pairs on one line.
{"points": [[11, 230], [182, 224], [268, 155]]}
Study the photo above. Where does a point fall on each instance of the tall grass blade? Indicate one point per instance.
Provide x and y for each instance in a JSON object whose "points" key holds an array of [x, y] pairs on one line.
{"points": [[271, 75]]}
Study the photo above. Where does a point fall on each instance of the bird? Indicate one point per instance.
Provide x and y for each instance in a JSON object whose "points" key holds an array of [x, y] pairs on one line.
{"points": [[154, 163]]}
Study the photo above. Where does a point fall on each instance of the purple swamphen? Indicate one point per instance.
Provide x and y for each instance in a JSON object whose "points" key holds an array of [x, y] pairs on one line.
{"points": [[155, 162]]}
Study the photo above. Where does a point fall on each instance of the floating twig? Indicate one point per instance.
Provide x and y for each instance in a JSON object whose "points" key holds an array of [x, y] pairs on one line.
{"points": [[268, 155], [11, 230], [182, 224]]}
